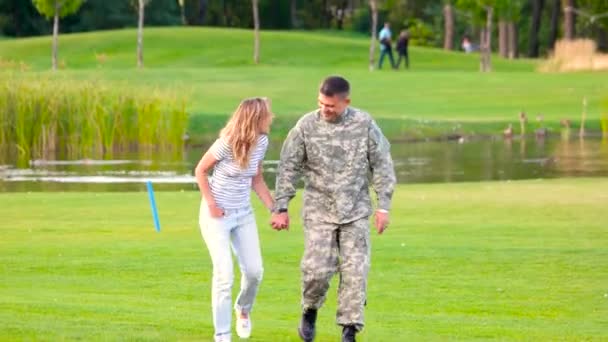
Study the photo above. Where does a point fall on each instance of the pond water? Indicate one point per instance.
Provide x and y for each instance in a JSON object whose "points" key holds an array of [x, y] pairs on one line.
{"points": [[415, 162]]}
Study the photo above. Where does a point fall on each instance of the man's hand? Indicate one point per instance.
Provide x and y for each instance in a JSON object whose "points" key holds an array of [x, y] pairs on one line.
{"points": [[381, 221], [280, 221]]}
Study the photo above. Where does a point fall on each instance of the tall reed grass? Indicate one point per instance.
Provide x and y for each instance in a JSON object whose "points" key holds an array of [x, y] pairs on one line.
{"points": [[604, 118], [60, 119]]}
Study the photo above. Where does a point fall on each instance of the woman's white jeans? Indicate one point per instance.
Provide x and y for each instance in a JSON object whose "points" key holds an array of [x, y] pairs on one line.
{"points": [[237, 229]]}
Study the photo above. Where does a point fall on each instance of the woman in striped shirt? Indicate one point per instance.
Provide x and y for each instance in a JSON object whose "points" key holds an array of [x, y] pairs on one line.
{"points": [[226, 216]]}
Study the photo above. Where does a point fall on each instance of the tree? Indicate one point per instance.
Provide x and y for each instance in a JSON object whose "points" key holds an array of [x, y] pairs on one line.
{"points": [[508, 13], [483, 11], [56, 9], [448, 15], [374, 9], [118, 14], [503, 30], [140, 32], [340, 14], [555, 10], [182, 9], [534, 44], [486, 42], [293, 13], [569, 19], [513, 40], [503, 38], [593, 21], [202, 10], [20, 18], [256, 32]]}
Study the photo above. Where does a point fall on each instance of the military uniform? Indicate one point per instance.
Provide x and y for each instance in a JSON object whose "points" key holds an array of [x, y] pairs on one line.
{"points": [[336, 159]]}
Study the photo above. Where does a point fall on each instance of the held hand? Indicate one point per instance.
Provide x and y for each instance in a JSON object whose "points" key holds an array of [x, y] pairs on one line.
{"points": [[280, 221], [381, 221], [215, 211]]}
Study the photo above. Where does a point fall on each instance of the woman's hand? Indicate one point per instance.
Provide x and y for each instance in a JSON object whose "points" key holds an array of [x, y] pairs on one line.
{"points": [[215, 211]]}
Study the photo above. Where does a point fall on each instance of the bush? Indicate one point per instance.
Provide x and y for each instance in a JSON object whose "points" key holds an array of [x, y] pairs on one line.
{"points": [[421, 33]]}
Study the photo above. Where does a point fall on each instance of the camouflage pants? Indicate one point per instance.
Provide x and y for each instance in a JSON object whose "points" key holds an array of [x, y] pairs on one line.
{"points": [[331, 248]]}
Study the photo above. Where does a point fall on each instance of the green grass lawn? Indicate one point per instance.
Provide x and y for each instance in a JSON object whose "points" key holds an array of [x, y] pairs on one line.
{"points": [[508, 261], [213, 68]]}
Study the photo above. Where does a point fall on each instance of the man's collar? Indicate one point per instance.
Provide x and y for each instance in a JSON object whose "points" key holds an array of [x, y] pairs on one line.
{"points": [[339, 118]]}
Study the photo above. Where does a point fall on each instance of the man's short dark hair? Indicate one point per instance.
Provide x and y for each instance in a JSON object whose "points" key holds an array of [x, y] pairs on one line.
{"points": [[335, 86]]}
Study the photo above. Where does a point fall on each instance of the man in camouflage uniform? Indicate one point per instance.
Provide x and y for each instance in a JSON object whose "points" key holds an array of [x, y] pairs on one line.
{"points": [[337, 148]]}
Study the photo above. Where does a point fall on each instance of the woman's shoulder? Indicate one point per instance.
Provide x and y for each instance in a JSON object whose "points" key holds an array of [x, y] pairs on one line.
{"points": [[263, 140], [223, 142]]}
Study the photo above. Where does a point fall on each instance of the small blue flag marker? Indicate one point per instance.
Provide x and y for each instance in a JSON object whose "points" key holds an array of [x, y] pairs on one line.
{"points": [[153, 206]]}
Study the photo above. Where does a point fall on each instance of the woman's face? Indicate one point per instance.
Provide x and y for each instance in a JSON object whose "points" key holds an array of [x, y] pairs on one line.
{"points": [[266, 121]]}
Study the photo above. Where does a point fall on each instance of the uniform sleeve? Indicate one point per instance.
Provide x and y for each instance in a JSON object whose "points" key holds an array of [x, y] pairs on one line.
{"points": [[381, 165], [220, 150], [293, 154]]}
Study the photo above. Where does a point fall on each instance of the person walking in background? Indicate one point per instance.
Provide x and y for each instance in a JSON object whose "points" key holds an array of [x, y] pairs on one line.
{"points": [[467, 46], [340, 150], [385, 37], [402, 49], [226, 217]]}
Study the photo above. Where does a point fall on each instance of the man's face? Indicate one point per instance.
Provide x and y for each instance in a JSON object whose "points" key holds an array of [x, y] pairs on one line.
{"points": [[332, 106]]}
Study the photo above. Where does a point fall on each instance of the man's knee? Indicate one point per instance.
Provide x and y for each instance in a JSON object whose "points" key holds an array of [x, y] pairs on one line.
{"points": [[316, 276], [315, 283]]}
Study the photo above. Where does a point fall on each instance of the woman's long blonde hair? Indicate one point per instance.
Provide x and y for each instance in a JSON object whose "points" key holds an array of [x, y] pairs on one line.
{"points": [[249, 120]]}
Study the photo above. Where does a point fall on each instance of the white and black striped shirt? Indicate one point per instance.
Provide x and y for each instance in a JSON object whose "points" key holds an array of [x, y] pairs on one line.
{"points": [[230, 184]]}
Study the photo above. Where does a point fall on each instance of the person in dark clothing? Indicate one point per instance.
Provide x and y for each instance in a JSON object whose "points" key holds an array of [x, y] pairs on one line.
{"points": [[401, 48]]}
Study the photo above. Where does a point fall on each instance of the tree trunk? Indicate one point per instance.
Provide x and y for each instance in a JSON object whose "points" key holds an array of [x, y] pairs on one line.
{"points": [[55, 36], [372, 47], [140, 35], [537, 10], [602, 39], [569, 19], [490, 11], [503, 38], [182, 7], [294, 14], [227, 21], [329, 15], [325, 15], [256, 32], [482, 49], [17, 19], [340, 14], [202, 12], [486, 39], [554, 23], [513, 40], [448, 38]]}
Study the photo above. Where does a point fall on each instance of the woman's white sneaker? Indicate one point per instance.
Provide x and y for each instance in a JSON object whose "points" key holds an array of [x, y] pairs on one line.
{"points": [[243, 325]]}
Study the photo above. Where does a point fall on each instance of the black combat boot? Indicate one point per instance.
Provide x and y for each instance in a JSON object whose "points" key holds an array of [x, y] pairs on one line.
{"points": [[307, 325], [348, 333]]}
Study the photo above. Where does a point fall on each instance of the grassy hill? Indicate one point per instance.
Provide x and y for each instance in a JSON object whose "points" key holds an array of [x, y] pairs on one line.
{"points": [[213, 67], [215, 47]]}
